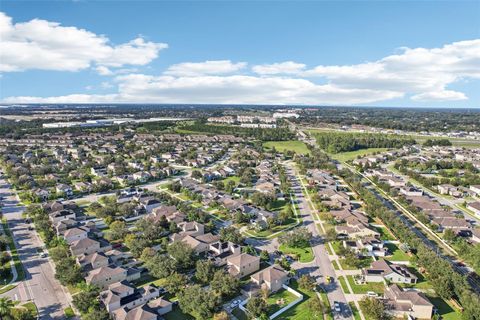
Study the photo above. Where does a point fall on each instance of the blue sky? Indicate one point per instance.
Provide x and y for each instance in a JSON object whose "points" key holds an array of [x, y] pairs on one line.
{"points": [[307, 52]]}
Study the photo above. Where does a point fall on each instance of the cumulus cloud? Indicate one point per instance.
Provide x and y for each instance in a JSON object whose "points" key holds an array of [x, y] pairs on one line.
{"points": [[287, 67], [425, 73], [45, 45], [214, 67], [224, 89], [421, 74]]}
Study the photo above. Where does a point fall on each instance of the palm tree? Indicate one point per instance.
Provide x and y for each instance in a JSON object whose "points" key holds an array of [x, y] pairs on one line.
{"points": [[6, 306]]}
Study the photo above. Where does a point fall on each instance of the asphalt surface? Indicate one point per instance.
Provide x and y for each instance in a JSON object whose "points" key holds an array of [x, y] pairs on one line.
{"points": [[40, 285], [321, 267]]}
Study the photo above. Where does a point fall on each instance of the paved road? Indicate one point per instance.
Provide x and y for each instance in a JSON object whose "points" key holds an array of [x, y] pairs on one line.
{"points": [[40, 285], [321, 267]]}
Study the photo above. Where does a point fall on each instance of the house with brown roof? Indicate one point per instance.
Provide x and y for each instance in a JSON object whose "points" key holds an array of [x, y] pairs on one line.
{"points": [[271, 278], [382, 270], [412, 303], [124, 295], [242, 265], [104, 276]]}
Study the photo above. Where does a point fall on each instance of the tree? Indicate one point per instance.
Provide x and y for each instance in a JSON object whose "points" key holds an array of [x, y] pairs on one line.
{"points": [[257, 307], [204, 271], [373, 309], [231, 234], [315, 306], [264, 256], [198, 302], [84, 300], [306, 282], [6, 306], [449, 235], [331, 234], [182, 253], [224, 284], [161, 266], [118, 230], [96, 314], [176, 282], [196, 174], [21, 313], [298, 238]]}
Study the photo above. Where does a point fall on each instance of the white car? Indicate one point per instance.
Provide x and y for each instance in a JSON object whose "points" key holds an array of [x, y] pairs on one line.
{"points": [[372, 294], [337, 307]]}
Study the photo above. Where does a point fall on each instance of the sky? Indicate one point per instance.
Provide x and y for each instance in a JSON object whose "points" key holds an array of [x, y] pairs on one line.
{"points": [[365, 53]]}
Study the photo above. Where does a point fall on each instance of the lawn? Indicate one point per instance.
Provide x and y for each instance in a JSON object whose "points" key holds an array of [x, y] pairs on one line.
{"points": [[447, 311], [343, 284], [364, 262], [13, 250], [303, 254], [300, 311], [351, 155], [377, 287], [177, 314], [268, 232], [279, 299], [397, 254], [385, 234], [356, 313], [292, 145], [69, 313]]}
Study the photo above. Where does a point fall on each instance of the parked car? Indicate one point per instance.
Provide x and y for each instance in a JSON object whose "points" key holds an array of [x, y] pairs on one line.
{"points": [[337, 307], [372, 294]]}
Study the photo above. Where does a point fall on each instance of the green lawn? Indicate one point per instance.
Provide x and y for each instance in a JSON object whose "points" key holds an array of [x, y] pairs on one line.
{"points": [[364, 288], [13, 250], [303, 254], [385, 234], [351, 155], [343, 284], [69, 313], [292, 145], [365, 262], [300, 311], [447, 311], [356, 313], [397, 254], [177, 314], [279, 299], [30, 306], [268, 232]]}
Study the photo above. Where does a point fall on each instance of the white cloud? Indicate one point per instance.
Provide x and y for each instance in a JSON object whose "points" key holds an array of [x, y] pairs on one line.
{"points": [[287, 67], [422, 74], [426, 73], [224, 89], [214, 67], [41, 44]]}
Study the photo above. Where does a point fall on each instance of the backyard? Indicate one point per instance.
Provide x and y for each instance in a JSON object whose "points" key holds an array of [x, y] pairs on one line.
{"points": [[377, 287], [303, 254]]}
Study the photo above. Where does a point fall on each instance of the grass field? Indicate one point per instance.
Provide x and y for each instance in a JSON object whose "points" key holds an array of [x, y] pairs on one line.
{"points": [[351, 155], [13, 251], [284, 295], [304, 254], [447, 311], [300, 311], [364, 288], [397, 254], [292, 145]]}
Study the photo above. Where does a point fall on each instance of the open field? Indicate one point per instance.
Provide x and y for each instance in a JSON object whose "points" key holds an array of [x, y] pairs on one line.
{"points": [[292, 145], [351, 155]]}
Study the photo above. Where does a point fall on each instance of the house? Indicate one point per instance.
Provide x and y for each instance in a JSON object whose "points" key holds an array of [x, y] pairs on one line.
{"points": [[124, 295], [447, 189], [74, 234], [369, 246], [104, 276], [395, 181], [411, 191], [382, 270], [84, 247], [64, 189], [41, 194], [93, 261], [476, 189], [191, 228], [242, 265], [474, 206], [219, 252], [411, 303], [98, 171], [271, 278], [57, 216], [197, 246]]}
